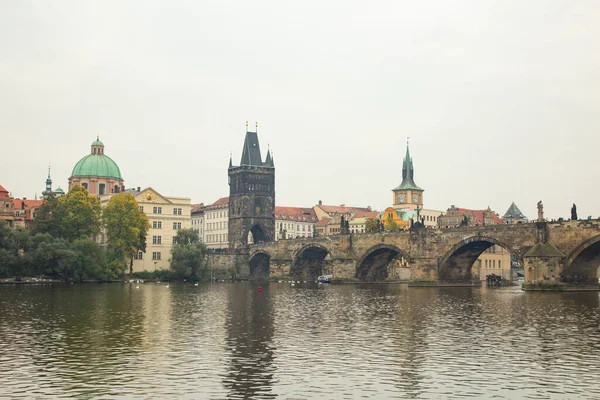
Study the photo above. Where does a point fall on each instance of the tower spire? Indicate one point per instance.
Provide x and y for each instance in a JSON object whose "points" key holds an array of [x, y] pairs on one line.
{"points": [[230, 159]]}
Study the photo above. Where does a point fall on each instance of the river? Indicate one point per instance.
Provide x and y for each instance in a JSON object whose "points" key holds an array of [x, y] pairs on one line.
{"points": [[228, 340]]}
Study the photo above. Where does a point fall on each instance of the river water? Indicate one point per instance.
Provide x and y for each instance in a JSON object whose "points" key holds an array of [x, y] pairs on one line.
{"points": [[227, 340]]}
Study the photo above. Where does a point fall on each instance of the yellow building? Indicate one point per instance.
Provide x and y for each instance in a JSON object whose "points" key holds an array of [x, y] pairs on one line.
{"points": [[166, 216], [495, 260], [392, 216]]}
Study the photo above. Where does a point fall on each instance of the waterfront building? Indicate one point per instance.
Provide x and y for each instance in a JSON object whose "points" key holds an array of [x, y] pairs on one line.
{"points": [[322, 226], [513, 215], [294, 222], [166, 215], [7, 210], [97, 172], [251, 196], [216, 224], [197, 220], [391, 216], [358, 225], [325, 211]]}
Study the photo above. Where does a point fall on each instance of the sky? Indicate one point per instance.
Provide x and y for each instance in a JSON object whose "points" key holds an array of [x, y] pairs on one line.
{"points": [[500, 99]]}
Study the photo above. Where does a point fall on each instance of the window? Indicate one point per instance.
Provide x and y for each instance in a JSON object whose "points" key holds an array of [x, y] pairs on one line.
{"points": [[141, 208], [102, 188], [156, 239], [177, 211], [139, 255], [157, 210], [499, 263], [156, 255], [85, 185], [176, 225], [156, 224]]}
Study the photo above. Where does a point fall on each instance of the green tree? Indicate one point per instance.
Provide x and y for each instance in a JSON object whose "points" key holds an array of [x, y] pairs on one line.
{"points": [[371, 225], [71, 216], [391, 225], [126, 227], [188, 255], [15, 252]]}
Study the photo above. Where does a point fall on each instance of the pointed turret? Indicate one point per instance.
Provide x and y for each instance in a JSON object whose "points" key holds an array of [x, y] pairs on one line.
{"points": [[268, 160], [48, 184], [514, 212], [251, 153], [230, 160]]}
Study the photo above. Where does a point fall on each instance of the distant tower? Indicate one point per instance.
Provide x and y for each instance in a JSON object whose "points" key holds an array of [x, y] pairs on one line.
{"points": [[251, 196], [48, 190], [408, 194]]}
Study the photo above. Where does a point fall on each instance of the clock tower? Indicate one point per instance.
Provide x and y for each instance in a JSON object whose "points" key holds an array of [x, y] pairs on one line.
{"points": [[407, 195]]}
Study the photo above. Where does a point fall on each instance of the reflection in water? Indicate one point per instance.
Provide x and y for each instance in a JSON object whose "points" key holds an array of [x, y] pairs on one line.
{"points": [[302, 341], [249, 332]]}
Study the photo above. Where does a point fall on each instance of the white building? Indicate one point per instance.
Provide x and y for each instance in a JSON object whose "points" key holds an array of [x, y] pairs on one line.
{"points": [[216, 221], [294, 222], [166, 216], [197, 218]]}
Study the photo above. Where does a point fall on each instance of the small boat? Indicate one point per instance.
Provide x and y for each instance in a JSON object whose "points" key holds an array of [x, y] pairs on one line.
{"points": [[325, 278]]}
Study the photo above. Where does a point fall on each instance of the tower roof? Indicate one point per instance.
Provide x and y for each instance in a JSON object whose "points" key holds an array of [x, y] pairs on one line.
{"points": [[97, 165], [513, 212], [408, 172], [251, 153]]}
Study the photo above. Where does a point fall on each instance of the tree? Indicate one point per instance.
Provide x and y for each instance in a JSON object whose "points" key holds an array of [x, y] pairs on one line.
{"points": [[391, 225], [188, 254], [15, 247], [126, 227], [72, 216], [371, 225]]}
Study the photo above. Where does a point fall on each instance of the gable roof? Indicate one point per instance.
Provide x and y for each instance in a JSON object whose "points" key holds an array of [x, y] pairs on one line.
{"points": [[3, 193], [197, 208], [479, 215], [343, 209], [24, 204], [324, 222], [223, 202], [136, 193]]}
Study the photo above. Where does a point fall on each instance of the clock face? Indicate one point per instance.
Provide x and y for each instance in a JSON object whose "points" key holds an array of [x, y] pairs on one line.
{"points": [[416, 198], [401, 199]]}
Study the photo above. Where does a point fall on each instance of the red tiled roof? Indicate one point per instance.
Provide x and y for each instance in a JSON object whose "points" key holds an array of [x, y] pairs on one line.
{"points": [[323, 222], [221, 203], [29, 204], [479, 215], [197, 207], [3, 193], [367, 214], [295, 214], [342, 209]]}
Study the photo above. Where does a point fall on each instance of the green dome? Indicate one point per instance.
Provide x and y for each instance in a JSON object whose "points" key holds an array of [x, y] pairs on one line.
{"points": [[97, 142], [98, 165], [59, 190]]}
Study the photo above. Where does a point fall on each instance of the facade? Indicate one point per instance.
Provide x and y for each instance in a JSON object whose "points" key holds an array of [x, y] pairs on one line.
{"points": [[166, 216], [393, 216], [322, 226], [455, 216], [358, 225], [216, 224], [7, 210], [495, 260], [294, 222], [24, 211], [251, 196], [197, 220], [97, 172], [513, 215], [407, 195], [325, 211]]}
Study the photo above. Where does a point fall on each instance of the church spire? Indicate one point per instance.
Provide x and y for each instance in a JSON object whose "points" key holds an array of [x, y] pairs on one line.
{"points": [[48, 184], [408, 172]]}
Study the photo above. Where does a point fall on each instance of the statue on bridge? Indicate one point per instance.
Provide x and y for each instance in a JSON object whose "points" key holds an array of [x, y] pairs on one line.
{"points": [[574, 212], [540, 208]]}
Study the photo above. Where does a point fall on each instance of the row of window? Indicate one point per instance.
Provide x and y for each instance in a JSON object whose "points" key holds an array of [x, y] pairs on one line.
{"points": [[220, 214], [216, 225], [158, 225], [156, 239], [283, 225], [492, 264], [220, 238], [140, 255], [158, 210]]}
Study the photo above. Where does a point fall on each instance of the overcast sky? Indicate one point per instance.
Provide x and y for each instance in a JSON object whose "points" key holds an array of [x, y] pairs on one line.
{"points": [[500, 99]]}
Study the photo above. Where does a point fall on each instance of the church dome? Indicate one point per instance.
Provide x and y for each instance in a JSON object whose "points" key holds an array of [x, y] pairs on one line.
{"points": [[97, 164]]}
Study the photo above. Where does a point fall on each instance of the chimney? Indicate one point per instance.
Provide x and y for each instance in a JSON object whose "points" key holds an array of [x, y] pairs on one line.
{"points": [[23, 204], [138, 189], [369, 208], [342, 205], [320, 203]]}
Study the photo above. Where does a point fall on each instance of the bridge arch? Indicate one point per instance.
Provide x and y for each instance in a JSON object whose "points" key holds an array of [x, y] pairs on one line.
{"points": [[374, 264], [260, 265], [311, 261], [581, 265], [457, 263], [256, 235]]}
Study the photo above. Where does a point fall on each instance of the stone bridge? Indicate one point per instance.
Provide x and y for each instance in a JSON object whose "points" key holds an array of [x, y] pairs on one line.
{"points": [[550, 252]]}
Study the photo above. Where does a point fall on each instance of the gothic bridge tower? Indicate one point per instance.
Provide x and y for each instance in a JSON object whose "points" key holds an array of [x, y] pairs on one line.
{"points": [[251, 196]]}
